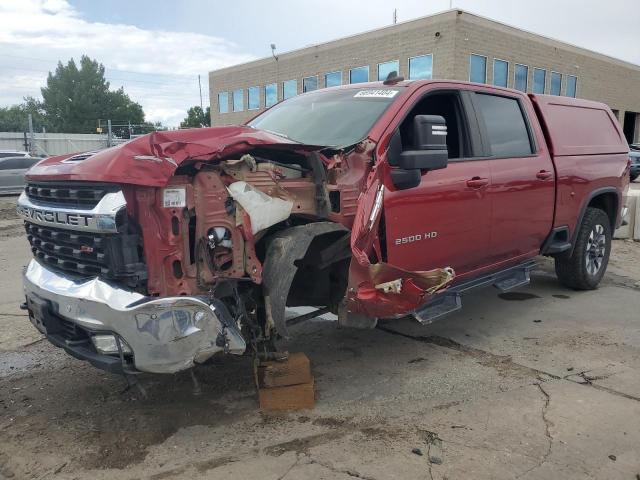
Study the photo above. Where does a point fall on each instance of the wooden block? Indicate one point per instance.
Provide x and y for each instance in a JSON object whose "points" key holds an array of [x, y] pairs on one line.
{"points": [[294, 371], [293, 397]]}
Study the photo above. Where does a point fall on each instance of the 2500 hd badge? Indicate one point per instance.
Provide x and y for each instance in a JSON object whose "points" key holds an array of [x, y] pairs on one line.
{"points": [[416, 238]]}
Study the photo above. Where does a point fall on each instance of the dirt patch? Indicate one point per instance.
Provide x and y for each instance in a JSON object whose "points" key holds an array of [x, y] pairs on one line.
{"points": [[115, 427], [8, 208]]}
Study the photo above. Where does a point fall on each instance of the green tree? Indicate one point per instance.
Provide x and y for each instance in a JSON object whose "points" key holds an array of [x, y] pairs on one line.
{"points": [[75, 98], [15, 118], [197, 118]]}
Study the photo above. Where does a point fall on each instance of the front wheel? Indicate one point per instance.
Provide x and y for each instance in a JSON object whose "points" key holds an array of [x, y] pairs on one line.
{"points": [[633, 177], [584, 269]]}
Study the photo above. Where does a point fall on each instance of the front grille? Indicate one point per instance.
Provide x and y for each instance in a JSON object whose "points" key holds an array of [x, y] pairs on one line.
{"points": [[81, 253], [82, 195]]}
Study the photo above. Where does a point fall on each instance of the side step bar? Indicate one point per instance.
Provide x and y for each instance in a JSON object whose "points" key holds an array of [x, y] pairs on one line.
{"points": [[451, 300]]}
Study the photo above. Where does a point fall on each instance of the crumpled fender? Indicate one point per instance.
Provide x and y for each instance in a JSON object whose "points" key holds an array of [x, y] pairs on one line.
{"points": [[379, 289], [279, 267]]}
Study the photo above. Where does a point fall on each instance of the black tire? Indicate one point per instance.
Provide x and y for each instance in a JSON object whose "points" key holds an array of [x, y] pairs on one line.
{"points": [[633, 177], [584, 269]]}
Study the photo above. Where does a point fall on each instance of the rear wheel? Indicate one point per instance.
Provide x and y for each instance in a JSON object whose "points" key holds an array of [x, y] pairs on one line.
{"points": [[633, 177], [584, 269]]}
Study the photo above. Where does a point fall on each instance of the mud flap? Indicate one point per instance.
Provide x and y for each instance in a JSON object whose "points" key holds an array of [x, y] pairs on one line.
{"points": [[279, 267]]}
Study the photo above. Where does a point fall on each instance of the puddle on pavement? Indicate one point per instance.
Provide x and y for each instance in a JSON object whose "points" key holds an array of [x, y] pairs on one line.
{"points": [[564, 297], [517, 296]]}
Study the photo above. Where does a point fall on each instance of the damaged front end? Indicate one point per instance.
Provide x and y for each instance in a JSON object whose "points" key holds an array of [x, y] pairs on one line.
{"points": [[226, 228]]}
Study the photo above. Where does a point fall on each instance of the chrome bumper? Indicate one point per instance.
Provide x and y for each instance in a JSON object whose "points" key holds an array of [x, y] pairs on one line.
{"points": [[166, 335]]}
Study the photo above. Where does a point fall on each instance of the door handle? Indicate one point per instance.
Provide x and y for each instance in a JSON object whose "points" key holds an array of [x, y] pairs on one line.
{"points": [[544, 175], [477, 182]]}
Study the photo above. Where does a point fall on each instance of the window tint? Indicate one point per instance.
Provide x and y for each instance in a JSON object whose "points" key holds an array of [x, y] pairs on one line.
{"points": [[500, 72], [506, 127], [253, 94], [477, 69], [359, 75], [384, 69], [539, 79], [270, 95], [309, 84], [571, 86], [333, 79], [223, 102], [17, 163], [238, 100], [337, 118], [556, 83], [521, 77], [289, 89], [421, 68]]}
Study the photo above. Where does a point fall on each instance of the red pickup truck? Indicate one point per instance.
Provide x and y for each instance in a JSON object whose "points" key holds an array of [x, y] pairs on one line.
{"points": [[372, 201]]}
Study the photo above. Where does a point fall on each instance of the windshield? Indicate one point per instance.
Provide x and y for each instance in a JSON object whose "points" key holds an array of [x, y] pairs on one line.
{"points": [[332, 118]]}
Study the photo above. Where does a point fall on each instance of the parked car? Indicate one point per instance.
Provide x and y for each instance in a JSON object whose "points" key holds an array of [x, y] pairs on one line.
{"points": [[376, 200], [13, 153], [12, 170], [634, 155]]}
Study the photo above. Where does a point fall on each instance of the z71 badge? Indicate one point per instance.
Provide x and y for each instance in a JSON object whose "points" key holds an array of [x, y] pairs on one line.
{"points": [[416, 238]]}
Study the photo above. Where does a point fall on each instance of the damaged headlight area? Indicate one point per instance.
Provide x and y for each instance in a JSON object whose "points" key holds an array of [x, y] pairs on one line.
{"points": [[108, 345]]}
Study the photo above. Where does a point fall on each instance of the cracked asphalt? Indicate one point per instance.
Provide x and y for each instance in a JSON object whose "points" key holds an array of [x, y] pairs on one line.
{"points": [[535, 384]]}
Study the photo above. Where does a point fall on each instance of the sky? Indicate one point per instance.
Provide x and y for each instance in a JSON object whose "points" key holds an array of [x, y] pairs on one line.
{"points": [[156, 49]]}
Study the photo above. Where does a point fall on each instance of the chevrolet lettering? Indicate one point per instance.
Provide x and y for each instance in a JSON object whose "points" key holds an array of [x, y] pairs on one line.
{"points": [[48, 216]]}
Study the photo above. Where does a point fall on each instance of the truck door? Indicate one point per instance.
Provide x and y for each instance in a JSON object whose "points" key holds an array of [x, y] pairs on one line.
{"points": [[522, 190], [444, 221]]}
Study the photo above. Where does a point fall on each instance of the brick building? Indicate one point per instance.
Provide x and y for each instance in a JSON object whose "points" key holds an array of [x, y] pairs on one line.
{"points": [[451, 45]]}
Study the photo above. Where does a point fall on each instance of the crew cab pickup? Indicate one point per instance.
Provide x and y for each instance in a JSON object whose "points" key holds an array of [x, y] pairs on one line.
{"points": [[373, 201]]}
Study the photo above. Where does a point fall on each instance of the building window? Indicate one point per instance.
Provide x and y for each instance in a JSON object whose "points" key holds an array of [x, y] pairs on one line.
{"points": [[223, 102], [253, 98], [384, 69], [270, 95], [309, 84], [556, 83], [570, 89], [359, 74], [500, 72], [333, 79], [238, 100], [521, 77], [421, 67], [505, 124], [477, 69], [539, 80], [289, 89]]}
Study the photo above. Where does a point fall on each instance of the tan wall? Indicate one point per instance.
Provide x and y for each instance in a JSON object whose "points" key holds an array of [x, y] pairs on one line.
{"points": [[600, 78]]}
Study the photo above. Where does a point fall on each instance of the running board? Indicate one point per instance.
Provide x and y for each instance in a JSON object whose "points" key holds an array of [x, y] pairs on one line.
{"points": [[451, 299]]}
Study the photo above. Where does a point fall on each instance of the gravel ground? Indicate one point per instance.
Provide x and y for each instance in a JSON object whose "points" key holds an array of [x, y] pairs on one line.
{"points": [[540, 383]]}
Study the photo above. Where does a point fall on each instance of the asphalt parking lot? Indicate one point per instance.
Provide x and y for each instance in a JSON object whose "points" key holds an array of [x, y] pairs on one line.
{"points": [[535, 384]]}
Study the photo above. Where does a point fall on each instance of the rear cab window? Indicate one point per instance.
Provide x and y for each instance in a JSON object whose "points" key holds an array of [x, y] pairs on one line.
{"points": [[507, 130]]}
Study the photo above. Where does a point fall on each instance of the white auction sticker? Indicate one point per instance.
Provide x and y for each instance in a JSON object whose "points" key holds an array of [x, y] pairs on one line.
{"points": [[174, 197], [385, 93]]}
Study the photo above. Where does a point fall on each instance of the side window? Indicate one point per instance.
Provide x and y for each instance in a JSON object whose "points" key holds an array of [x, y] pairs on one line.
{"points": [[507, 130], [12, 163], [449, 106]]}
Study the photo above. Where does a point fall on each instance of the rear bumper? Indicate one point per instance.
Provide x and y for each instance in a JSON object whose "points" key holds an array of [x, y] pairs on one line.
{"points": [[166, 335]]}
